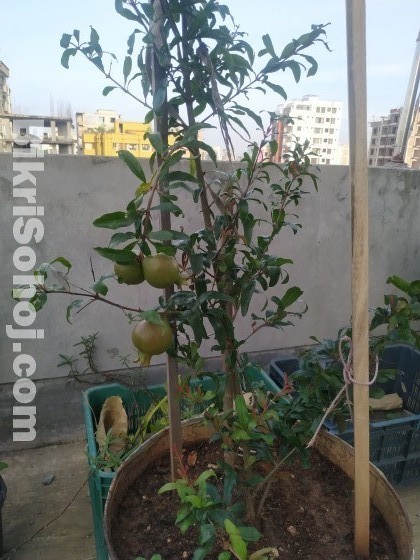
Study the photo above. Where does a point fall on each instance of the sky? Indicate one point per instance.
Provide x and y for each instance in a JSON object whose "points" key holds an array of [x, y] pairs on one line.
{"points": [[31, 31]]}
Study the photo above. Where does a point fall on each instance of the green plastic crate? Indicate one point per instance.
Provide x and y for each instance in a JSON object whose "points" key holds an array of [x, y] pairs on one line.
{"points": [[135, 403]]}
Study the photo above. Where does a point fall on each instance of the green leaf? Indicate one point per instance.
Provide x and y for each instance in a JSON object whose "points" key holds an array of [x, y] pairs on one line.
{"points": [[269, 45], [247, 292], [122, 256], [156, 141], [249, 534], [159, 98], [3, 465], [207, 532], [292, 295], [152, 316], [94, 37], [133, 164], [277, 89], [99, 287], [181, 176], [127, 66], [121, 237], [74, 305], [214, 295], [123, 11], [64, 262], [200, 553], [225, 555], [114, 220], [107, 90], [66, 55], [242, 411], [197, 262], [65, 40], [168, 487], [237, 542], [168, 235]]}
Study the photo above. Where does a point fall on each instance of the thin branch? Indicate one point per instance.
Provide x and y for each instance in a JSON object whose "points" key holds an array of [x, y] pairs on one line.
{"points": [[93, 296]]}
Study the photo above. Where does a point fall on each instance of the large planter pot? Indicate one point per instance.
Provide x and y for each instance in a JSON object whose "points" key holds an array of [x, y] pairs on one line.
{"points": [[383, 496], [136, 404]]}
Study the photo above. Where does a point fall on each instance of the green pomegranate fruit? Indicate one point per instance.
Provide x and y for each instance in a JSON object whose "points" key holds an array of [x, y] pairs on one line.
{"points": [[151, 340], [129, 273], [161, 271]]}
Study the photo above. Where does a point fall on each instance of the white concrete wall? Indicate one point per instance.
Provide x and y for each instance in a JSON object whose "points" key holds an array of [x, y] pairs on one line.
{"points": [[77, 189]]}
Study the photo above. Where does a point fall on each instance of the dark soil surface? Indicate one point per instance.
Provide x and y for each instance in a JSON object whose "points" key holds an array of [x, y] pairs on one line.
{"points": [[308, 515]]}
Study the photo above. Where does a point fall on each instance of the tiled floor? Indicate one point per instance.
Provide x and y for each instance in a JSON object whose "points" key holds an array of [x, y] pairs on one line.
{"points": [[33, 517]]}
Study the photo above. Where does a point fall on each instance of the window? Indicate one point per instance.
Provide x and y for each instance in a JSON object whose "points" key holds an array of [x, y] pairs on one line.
{"points": [[332, 121], [330, 140], [318, 109], [314, 161], [332, 131], [334, 110], [416, 153], [324, 150], [329, 109], [317, 140], [323, 160], [327, 161], [319, 120], [132, 146], [373, 142], [327, 120], [325, 139], [317, 130], [370, 161], [120, 127], [374, 131], [145, 147], [385, 130], [394, 130], [328, 151], [372, 152], [322, 109]]}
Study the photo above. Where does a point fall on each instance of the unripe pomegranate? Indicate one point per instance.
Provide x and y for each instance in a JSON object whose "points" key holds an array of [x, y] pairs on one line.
{"points": [[129, 273], [151, 339], [161, 271]]}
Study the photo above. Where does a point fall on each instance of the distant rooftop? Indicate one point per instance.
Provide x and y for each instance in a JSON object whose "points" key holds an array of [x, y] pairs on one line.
{"points": [[45, 119]]}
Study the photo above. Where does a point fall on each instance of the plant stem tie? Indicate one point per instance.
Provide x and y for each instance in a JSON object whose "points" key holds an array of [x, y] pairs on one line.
{"points": [[348, 379]]}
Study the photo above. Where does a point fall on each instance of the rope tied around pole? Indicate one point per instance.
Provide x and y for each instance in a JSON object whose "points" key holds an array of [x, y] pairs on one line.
{"points": [[348, 380]]}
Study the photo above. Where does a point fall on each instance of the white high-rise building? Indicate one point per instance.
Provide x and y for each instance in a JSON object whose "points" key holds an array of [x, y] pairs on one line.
{"points": [[315, 120]]}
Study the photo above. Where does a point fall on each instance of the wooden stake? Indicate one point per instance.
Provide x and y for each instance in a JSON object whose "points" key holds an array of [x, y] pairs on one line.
{"points": [[356, 71], [161, 125]]}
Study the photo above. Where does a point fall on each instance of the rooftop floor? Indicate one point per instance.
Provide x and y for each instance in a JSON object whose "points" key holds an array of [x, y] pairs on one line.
{"points": [[50, 522]]}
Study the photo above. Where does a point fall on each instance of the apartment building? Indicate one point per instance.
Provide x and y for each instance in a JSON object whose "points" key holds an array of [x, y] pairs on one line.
{"points": [[412, 154], [6, 109], [124, 135], [315, 120], [383, 138], [101, 120]]}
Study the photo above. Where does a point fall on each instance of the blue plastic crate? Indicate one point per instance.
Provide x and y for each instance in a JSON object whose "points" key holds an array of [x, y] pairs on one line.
{"points": [[394, 444]]}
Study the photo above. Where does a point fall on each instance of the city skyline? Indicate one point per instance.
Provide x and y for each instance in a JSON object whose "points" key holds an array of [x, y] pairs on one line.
{"points": [[38, 81]]}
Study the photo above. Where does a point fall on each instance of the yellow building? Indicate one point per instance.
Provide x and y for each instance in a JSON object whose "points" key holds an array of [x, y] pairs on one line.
{"points": [[123, 135]]}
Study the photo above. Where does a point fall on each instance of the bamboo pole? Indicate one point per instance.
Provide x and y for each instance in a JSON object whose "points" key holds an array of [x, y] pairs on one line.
{"points": [[356, 73]]}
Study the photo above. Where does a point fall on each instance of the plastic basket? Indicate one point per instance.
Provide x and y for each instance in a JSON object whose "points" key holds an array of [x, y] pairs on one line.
{"points": [[136, 404], [395, 443]]}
